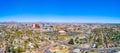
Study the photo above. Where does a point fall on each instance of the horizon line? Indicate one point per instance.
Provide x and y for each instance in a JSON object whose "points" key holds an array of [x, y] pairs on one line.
{"points": [[61, 22]]}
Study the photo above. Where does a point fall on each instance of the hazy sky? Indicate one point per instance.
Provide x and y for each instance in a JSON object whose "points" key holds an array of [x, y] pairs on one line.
{"points": [[82, 11]]}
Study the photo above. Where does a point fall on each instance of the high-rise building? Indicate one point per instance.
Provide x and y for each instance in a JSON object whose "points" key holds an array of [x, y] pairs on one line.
{"points": [[36, 25]]}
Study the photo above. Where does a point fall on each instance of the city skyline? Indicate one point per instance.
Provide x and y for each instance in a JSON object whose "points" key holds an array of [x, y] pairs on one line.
{"points": [[66, 11]]}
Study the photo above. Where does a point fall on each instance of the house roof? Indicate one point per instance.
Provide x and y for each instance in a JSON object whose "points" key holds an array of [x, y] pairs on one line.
{"points": [[76, 50], [53, 48]]}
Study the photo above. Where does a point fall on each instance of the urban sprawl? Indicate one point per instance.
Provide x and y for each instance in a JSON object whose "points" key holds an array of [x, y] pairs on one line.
{"points": [[59, 38]]}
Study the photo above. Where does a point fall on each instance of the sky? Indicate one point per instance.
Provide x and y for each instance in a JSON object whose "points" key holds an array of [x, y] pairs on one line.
{"points": [[68, 11]]}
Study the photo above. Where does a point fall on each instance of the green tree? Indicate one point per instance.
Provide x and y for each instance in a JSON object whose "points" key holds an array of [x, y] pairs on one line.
{"points": [[71, 42]]}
